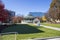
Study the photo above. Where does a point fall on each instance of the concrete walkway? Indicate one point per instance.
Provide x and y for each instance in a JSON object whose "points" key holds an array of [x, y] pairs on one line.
{"points": [[54, 28], [50, 38]]}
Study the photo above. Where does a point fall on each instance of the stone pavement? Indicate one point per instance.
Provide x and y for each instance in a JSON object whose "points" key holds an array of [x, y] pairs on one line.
{"points": [[54, 28]]}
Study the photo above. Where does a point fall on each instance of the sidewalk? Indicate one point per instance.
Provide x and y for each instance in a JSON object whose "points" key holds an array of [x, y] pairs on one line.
{"points": [[51, 38], [54, 28]]}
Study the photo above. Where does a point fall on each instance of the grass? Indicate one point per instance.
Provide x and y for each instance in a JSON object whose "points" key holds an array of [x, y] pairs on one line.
{"points": [[53, 25], [29, 31]]}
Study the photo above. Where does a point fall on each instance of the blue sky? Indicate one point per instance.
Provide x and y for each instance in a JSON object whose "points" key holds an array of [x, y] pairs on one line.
{"points": [[23, 7]]}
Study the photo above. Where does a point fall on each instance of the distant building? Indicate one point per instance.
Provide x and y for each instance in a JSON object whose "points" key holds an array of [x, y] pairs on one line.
{"points": [[33, 15], [36, 14], [11, 14], [28, 19]]}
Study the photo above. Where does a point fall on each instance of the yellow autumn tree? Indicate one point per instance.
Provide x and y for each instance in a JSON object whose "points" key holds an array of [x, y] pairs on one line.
{"points": [[44, 18]]}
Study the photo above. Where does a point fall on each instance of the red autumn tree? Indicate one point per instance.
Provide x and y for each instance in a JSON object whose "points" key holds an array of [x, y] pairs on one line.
{"points": [[3, 13]]}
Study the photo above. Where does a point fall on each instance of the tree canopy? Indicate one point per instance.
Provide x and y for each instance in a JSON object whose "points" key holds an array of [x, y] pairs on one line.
{"points": [[54, 10]]}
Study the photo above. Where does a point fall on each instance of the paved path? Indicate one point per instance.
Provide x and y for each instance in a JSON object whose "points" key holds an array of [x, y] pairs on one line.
{"points": [[54, 28], [51, 38]]}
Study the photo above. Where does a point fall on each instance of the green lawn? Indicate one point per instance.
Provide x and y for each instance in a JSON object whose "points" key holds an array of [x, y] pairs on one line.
{"points": [[29, 31], [53, 25]]}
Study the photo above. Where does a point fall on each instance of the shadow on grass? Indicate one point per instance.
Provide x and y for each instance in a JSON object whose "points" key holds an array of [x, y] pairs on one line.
{"points": [[22, 29], [2, 27]]}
